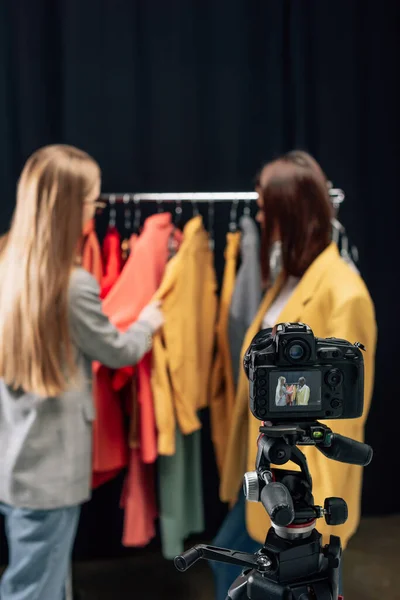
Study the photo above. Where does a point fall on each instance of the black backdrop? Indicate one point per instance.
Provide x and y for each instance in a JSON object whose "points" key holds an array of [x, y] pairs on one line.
{"points": [[183, 95]]}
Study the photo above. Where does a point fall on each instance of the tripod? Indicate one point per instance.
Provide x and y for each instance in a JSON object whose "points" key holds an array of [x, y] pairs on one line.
{"points": [[293, 563]]}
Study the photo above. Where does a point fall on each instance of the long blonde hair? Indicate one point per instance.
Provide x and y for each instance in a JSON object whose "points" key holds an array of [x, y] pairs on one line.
{"points": [[37, 257]]}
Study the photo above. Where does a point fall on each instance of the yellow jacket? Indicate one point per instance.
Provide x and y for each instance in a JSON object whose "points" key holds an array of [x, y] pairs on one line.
{"points": [[222, 396], [333, 300], [183, 351]]}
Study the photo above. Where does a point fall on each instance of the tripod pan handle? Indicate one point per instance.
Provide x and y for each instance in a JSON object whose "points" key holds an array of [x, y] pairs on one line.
{"points": [[346, 450], [187, 559], [278, 503]]}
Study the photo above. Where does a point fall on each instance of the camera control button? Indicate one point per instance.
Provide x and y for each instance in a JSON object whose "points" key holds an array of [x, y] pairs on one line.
{"points": [[261, 401], [336, 403]]}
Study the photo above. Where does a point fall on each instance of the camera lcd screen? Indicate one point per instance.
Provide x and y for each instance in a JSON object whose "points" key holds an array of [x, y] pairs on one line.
{"points": [[294, 390]]}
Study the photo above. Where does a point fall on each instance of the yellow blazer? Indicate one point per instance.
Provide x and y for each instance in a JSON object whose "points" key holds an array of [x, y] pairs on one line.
{"points": [[183, 350], [222, 395], [334, 301]]}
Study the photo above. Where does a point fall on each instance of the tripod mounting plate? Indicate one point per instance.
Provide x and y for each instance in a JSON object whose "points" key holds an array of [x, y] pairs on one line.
{"points": [[304, 434]]}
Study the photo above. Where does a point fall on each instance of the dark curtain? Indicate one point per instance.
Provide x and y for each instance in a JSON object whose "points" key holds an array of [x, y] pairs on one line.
{"points": [[184, 96]]}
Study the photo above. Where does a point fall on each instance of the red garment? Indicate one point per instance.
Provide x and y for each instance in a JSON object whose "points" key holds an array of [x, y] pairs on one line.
{"points": [[134, 289], [112, 260], [91, 254], [110, 450]]}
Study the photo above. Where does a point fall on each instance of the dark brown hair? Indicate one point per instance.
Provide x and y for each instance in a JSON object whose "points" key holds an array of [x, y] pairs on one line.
{"points": [[304, 159], [295, 199]]}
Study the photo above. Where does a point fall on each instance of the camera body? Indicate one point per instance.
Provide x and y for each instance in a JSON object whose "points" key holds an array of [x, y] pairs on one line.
{"points": [[295, 376]]}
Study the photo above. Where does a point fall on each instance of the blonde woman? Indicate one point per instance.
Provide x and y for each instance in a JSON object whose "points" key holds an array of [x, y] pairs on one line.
{"points": [[51, 328], [280, 394]]}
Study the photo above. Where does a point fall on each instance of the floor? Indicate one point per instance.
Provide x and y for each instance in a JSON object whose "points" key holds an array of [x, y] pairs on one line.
{"points": [[371, 571]]}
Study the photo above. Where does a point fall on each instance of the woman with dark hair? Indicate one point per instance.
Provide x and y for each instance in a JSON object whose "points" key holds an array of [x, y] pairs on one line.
{"points": [[315, 287]]}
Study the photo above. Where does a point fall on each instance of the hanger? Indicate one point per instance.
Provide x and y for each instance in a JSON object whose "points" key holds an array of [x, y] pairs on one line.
{"points": [[350, 255], [178, 213], [339, 236], [125, 244], [336, 196], [354, 254], [195, 208], [344, 247], [233, 224], [172, 243], [211, 214], [127, 213], [247, 208], [137, 216], [112, 219], [337, 230]]}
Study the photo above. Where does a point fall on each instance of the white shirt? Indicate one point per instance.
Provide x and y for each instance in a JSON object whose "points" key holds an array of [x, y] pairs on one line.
{"points": [[272, 314]]}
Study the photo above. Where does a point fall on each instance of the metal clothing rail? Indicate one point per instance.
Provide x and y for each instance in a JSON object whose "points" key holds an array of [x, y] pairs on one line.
{"points": [[337, 197], [180, 197]]}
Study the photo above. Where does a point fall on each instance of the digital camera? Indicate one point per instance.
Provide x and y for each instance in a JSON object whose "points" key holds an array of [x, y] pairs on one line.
{"points": [[295, 376]]}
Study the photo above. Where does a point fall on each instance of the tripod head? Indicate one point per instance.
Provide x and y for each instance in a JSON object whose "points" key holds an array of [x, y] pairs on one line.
{"points": [[287, 495], [292, 564]]}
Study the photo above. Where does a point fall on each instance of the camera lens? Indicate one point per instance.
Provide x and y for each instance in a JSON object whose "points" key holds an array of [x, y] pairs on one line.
{"points": [[296, 352], [334, 378]]}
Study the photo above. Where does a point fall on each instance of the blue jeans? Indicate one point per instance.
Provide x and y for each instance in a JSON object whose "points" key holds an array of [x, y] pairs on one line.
{"points": [[40, 546], [233, 534]]}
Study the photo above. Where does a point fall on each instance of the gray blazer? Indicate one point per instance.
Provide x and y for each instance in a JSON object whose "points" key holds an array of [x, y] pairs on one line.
{"points": [[246, 295], [46, 444]]}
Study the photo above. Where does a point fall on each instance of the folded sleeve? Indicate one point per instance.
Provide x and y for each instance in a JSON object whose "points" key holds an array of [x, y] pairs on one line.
{"points": [[95, 335]]}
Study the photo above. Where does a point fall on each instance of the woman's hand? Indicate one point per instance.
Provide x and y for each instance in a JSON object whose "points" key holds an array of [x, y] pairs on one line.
{"points": [[153, 315]]}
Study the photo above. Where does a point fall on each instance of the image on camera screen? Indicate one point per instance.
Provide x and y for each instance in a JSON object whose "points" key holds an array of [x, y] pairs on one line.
{"points": [[294, 390]]}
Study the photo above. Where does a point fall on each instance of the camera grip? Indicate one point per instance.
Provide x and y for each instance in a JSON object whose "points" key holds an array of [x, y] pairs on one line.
{"points": [[346, 450], [278, 503]]}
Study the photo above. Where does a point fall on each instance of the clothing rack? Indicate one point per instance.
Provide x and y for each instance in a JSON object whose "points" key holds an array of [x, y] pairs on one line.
{"points": [[337, 197]]}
